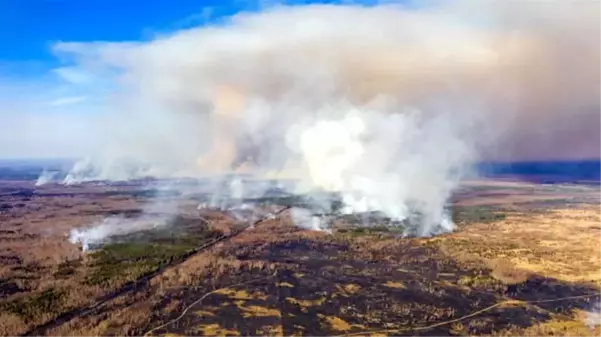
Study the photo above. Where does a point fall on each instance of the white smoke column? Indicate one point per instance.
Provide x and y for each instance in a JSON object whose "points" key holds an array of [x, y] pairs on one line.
{"points": [[330, 148], [47, 177], [389, 113], [235, 197], [304, 219], [158, 212], [387, 162], [593, 315], [237, 188], [97, 233]]}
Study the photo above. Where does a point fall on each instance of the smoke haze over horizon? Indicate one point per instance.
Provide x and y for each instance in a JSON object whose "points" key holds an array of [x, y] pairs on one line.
{"points": [[536, 65], [388, 105]]}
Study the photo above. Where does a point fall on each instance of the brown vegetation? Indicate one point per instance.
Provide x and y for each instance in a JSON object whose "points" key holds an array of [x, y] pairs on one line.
{"points": [[499, 275]]}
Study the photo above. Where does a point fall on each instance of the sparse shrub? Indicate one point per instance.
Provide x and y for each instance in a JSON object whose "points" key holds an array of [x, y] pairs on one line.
{"points": [[31, 306], [371, 230], [477, 214], [478, 281], [119, 260], [507, 273], [67, 268]]}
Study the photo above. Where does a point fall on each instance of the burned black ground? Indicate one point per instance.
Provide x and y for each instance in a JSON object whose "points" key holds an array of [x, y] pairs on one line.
{"points": [[326, 289], [278, 279]]}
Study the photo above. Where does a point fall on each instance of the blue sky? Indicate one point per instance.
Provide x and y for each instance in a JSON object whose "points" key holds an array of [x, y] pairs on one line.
{"points": [[38, 89], [30, 71], [44, 96], [44, 100], [28, 28]]}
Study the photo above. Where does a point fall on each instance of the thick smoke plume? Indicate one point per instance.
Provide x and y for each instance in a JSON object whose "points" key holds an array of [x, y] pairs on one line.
{"points": [[160, 212], [385, 105], [97, 233]]}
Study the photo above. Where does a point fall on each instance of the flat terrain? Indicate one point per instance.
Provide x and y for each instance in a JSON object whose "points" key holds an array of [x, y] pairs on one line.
{"points": [[524, 260]]}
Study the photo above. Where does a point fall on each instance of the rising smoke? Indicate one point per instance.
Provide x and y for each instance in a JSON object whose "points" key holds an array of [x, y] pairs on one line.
{"points": [[593, 315], [98, 232], [385, 105]]}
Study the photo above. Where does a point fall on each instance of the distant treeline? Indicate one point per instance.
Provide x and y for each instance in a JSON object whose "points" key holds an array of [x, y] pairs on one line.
{"points": [[542, 171], [547, 171], [30, 169], [26, 173]]}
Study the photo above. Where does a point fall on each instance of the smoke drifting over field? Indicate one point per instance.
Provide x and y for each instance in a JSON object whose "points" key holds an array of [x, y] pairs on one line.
{"points": [[385, 105], [97, 233]]}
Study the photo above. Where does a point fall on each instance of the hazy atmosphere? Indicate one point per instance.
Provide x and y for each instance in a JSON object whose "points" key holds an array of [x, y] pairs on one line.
{"points": [[391, 113], [300, 167], [518, 79]]}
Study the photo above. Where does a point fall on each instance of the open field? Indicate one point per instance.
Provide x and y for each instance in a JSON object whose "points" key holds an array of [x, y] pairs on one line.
{"points": [[524, 260]]}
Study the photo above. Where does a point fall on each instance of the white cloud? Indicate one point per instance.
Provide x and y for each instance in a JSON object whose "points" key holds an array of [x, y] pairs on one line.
{"points": [[68, 100], [73, 75], [430, 89], [50, 116], [532, 69], [27, 134]]}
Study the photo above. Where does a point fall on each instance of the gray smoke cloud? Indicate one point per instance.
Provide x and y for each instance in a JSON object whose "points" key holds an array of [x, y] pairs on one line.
{"points": [[386, 105], [97, 233]]}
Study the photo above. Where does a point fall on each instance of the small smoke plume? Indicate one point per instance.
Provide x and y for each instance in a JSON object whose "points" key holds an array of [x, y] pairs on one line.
{"points": [[161, 211], [47, 177], [97, 233], [593, 315], [384, 105], [305, 219], [244, 200]]}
